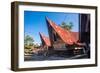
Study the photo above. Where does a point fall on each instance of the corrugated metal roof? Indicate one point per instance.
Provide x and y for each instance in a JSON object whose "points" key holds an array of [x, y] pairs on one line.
{"points": [[67, 36]]}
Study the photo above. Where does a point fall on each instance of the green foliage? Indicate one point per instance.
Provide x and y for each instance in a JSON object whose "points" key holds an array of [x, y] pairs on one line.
{"points": [[28, 40], [28, 43], [28, 47], [67, 26]]}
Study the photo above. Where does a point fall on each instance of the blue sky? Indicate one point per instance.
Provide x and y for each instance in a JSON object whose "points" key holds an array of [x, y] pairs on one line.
{"points": [[34, 22]]}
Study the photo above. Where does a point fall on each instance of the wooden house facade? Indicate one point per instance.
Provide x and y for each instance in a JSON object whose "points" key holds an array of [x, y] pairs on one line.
{"points": [[84, 28], [84, 31]]}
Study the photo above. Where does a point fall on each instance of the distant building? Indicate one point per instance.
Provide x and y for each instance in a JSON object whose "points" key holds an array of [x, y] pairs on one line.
{"points": [[46, 45], [45, 41]]}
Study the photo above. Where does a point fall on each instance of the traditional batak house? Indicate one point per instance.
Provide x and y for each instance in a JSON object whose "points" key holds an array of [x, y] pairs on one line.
{"points": [[61, 39], [46, 44]]}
